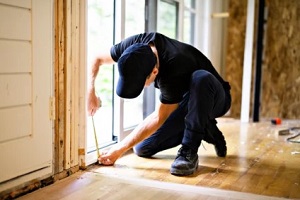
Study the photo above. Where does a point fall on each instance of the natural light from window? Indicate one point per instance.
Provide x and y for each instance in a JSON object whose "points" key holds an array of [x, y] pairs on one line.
{"points": [[99, 37]]}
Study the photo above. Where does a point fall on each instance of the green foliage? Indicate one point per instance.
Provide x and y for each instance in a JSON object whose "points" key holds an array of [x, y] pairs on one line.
{"points": [[167, 23], [104, 84]]}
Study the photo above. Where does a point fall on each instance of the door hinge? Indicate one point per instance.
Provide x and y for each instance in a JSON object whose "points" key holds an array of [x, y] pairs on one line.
{"points": [[52, 108]]}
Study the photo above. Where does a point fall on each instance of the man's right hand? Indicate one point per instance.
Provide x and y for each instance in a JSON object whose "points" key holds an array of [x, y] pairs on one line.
{"points": [[109, 157], [93, 103]]}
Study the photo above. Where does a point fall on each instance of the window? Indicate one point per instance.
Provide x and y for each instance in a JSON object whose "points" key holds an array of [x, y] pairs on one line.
{"points": [[189, 21], [167, 22], [100, 28], [176, 19], [134, 24], [108, 22]]}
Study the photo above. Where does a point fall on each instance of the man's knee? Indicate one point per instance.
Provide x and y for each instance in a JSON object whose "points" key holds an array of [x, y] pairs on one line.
{"points": [[201, 79], [201, 75], [142, 151]]}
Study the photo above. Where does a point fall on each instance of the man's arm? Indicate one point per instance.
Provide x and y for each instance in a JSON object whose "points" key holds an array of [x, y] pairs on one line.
{"points": [[92, 101], [140, 133]]}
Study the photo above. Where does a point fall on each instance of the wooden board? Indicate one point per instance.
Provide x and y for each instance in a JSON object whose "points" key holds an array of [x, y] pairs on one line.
{"points": [[22, 116], [15, 90], [17, 3], [26, 131], [259, 165], [259, 161], [15, 56], [96, 186], [21, 20]]}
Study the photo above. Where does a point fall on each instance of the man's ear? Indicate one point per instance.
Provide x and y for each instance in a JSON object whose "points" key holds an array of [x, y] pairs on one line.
{"points": [[155, 71]]}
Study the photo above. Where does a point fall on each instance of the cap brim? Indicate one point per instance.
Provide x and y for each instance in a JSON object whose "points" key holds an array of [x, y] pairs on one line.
{"points": [[130, 88]]}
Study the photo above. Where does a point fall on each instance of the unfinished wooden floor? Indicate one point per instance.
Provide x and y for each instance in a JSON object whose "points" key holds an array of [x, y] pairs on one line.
{"points": [[260, 165]]}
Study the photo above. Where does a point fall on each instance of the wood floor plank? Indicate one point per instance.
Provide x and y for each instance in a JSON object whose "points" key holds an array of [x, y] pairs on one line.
{"points": [[259, 165], [90, 186], [259, 161]]}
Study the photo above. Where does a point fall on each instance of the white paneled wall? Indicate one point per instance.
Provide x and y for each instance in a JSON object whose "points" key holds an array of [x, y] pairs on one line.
{"points": [[26, 37]]}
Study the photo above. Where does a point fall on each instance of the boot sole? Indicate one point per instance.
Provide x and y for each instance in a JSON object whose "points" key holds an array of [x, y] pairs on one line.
{"points": [[179, 172], [218, 140]]}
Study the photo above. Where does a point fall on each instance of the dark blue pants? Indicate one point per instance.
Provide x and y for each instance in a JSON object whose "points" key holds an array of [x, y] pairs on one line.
{"points": [[206, 100]]}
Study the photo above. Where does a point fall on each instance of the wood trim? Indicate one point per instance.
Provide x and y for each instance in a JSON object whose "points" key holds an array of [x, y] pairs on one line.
{"points": [[59, 86], [75, 81], [66, 84], [82, 70], [247, 66]]}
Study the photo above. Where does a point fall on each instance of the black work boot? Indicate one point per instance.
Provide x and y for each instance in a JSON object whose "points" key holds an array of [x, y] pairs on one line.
{"points": [[186, 162], [215, 136]]}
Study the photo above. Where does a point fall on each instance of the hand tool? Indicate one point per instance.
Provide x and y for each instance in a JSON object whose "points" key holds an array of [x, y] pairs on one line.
{"points": [[96, 140], [95, 134]]}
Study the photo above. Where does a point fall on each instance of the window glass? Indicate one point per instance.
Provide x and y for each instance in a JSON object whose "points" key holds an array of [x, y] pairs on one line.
{"points": [[167, 19], [189, 21], [190, 3], [134, 24], [167, 24], [100, 36], [188, 27]]}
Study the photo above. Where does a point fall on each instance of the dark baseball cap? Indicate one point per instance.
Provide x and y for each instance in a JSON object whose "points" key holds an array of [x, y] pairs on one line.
{"points": [[135, 65]]}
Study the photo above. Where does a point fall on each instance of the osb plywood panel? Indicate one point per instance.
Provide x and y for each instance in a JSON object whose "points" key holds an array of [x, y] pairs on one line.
{"points": [[280, 95], [235, 52], [281, 71]]}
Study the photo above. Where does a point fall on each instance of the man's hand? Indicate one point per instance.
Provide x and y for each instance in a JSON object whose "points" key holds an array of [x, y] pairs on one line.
{"points": [[110, 156], [93, 103]]}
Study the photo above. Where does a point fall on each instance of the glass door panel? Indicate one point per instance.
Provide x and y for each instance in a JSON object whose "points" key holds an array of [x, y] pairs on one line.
{"points": [[100, 24], [189, 28], [134, 24], [167, 19], [167, 24]]}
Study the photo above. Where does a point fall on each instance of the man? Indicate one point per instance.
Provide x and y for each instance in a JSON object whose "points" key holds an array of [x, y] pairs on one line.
{"points": [[193, 94]]}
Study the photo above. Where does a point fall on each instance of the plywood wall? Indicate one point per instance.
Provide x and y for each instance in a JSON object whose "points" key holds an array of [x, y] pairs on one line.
{"points": [[280, 95], [281, 70], [235, 52]]}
